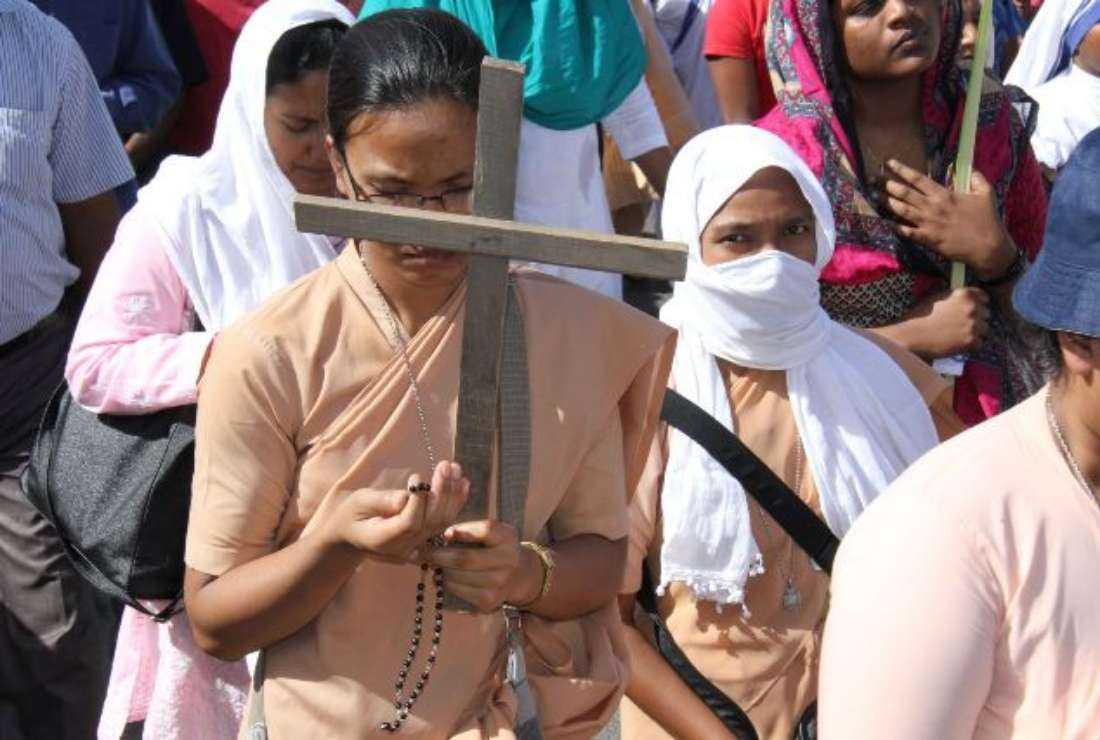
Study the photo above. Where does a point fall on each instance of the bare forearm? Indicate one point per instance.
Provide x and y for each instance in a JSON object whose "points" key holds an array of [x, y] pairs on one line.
{"points": [[587, 573], [268, 599], [659, 692], [655, 165], [89, 227], [736, 89], [144, 146], [907, 333]]}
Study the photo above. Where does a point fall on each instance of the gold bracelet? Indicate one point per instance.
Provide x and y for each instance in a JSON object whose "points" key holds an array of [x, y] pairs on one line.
{"points": [[547, 560]]}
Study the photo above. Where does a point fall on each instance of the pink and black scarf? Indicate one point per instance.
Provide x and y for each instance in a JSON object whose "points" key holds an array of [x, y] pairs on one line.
{"points": [[876, 276]]}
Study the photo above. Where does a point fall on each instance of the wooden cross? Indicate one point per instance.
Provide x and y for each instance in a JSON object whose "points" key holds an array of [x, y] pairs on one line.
{"points": [[492, 239]]}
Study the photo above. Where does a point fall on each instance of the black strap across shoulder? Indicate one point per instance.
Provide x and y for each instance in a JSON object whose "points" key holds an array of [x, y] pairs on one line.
{"points": [[727, 711], [774, 496], [784, 506]]}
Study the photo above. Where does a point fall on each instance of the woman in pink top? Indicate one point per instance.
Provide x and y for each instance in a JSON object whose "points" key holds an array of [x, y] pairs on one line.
{"points": [[965, 601], [209, 239]]}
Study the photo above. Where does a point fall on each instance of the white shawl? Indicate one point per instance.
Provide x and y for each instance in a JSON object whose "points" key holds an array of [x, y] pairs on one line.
{"points": [[227, 215], [1068, 96], [861, 421]]}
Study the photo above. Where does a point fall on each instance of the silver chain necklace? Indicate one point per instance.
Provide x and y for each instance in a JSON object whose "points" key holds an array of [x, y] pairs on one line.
{"points": [[792, 597], [403, 703], [1067, 453]]}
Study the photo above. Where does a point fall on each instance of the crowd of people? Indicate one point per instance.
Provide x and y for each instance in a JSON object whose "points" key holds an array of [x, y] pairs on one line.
{"points": [[942, 439]]}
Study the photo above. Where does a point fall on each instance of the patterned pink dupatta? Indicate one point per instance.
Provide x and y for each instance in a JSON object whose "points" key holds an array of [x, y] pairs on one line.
{"points": [[876, 276]]}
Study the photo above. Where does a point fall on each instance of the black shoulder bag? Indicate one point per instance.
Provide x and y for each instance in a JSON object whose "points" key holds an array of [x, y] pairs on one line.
{"points": [[117, 488], [781, 503]]}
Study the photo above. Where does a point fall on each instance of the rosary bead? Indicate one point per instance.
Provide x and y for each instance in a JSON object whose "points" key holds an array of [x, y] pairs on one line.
{"points": [[386, 727]]}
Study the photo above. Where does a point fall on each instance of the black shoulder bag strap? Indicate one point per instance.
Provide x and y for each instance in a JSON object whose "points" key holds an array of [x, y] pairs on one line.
{"points": [[774, 496], [727, 711]]}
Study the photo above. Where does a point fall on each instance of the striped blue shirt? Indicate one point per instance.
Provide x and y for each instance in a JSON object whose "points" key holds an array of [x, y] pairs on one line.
{"points": [[57, 145]]}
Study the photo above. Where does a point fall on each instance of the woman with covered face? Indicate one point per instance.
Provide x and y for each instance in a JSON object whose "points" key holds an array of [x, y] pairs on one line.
{"points": [[836, 413], [326, 490], [871, 97]]}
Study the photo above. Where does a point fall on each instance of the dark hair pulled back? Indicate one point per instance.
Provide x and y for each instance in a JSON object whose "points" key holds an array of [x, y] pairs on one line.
{"points": [[399, 58], [303, 49]]}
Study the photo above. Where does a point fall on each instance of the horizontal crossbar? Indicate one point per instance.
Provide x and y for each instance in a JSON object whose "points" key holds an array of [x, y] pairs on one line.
{"points": [[476, 235]]}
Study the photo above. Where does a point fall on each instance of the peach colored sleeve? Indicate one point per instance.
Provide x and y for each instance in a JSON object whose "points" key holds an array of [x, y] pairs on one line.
{"points": [[245, 457], [645, 513], [596, 500], [914, 619], [133, 352]]}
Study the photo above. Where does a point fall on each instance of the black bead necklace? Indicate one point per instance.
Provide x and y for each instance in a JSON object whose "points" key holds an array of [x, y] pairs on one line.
{"points": [[403, 703]]}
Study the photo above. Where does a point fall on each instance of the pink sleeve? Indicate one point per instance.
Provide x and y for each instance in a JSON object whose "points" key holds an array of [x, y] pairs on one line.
{"points": [[913, 623], [132, 352]]}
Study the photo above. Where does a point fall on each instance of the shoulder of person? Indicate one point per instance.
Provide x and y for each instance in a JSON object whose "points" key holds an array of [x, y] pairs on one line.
{"points": [[583, 310], [279, 330], [29, 32], [971, 479], [928, 382]]}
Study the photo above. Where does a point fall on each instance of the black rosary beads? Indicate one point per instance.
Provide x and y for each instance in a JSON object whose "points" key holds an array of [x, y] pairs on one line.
{"points": [[404, 704]]}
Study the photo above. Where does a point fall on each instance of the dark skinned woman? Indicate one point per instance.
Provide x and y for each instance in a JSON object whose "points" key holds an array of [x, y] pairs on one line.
{"points": [[871, 97]]}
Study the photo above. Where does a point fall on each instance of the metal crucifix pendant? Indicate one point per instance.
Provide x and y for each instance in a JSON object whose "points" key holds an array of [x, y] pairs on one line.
{"points": [[792, 598]]}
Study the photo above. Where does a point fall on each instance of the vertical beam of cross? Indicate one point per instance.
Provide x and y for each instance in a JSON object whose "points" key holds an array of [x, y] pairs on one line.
{"points": [[500, 109]]}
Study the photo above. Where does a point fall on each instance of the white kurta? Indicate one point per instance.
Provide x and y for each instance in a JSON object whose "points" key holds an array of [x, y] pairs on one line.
{"points": [[558, 182], [1069, 108]]}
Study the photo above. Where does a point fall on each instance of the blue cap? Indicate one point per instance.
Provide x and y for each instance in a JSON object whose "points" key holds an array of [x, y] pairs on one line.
{"points": [[1061, 291]]}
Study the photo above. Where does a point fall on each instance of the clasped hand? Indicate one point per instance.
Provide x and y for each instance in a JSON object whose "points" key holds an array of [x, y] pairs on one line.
{"points": [[961, 227], [400, 527]]}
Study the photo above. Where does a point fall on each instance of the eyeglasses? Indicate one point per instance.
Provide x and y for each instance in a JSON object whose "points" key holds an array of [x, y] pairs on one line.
{"points": [[454, 201], [458, 200]]}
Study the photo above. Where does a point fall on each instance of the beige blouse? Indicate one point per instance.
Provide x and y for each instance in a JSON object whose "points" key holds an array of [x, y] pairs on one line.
{"points": [[766, 659], [966, 603], [304, 400]]}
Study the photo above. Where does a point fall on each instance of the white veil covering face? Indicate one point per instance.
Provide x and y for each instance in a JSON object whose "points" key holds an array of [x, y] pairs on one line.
{"points": [[860, 419], [227, 215], [1068, 96]]}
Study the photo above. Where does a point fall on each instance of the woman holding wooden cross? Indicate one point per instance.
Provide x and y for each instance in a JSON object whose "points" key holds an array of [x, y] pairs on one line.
{"points": [[325, 491]]}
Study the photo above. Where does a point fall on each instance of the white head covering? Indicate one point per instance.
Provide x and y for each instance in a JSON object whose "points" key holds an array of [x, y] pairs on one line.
{"points": [[1043, 53], [1068, 96], [227, 214], [860, 419]]}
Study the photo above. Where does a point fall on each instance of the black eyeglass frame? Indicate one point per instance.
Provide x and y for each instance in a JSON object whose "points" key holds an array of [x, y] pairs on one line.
{"points": [[411, 200]]}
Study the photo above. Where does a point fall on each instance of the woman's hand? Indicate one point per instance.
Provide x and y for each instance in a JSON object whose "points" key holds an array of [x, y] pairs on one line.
{"points": [[395, 525], [961, 227], [486, 577], [948, 323]]}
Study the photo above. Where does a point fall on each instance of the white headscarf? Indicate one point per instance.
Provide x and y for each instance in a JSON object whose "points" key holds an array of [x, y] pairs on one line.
{"points": [[861, 421], [1068, 96], [227, 214]]}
